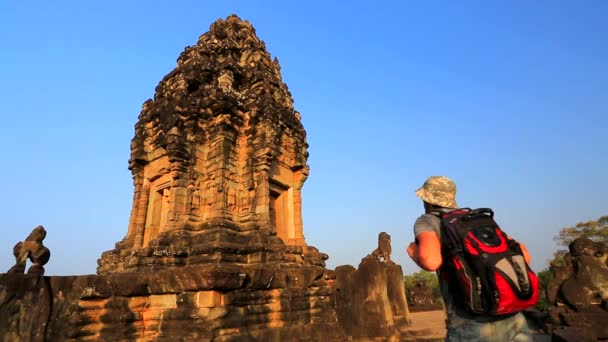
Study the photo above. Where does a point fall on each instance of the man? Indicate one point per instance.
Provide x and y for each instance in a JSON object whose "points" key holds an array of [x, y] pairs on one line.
{"points": [[439, 195]]}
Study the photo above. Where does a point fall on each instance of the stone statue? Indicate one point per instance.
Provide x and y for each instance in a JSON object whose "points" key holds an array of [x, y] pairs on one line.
{"points": [[383, 252], [33, 249], [584, 278], [225, 81], [579, 292]]}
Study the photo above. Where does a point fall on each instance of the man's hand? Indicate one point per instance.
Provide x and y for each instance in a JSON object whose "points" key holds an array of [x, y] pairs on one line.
{"points": [[412, 250]]}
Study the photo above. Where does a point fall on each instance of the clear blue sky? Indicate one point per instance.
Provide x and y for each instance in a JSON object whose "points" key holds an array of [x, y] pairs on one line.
{"points": [[508, 98]]}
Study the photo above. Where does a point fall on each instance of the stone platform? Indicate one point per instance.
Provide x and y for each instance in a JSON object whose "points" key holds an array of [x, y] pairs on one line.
{"points": [[198, 303]]}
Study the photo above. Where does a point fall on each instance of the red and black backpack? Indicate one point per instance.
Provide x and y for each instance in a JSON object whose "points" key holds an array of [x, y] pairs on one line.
{"points": [[484, 264]]}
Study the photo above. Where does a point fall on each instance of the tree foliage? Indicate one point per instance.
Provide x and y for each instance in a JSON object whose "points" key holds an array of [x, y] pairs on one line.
{"points": [[544, 278], [596, 230]]}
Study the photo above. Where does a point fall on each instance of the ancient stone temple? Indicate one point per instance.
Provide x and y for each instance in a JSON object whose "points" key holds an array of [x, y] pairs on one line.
{"points": [[218, 159], [215, 247]]}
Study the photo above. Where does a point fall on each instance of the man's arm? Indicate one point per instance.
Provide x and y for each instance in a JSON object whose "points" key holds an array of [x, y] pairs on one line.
{"points": [[427, 252], [524, 251]]}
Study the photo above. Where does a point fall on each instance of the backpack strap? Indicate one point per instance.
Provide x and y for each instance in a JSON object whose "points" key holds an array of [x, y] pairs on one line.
{"points": [[450, 239], [439, 214], [436, 213]]}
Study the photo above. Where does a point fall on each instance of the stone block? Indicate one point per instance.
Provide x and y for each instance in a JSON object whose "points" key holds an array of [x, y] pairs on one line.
{"points": [[213, 313], [254, 258], [137, 303], [209, 299], [166, 301]]}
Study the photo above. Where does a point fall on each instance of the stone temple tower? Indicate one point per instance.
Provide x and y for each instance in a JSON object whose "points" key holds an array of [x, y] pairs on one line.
{"points": [[215, 250], [218, 161]]}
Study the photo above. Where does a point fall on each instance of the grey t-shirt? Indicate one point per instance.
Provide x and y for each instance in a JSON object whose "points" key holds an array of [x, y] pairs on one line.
{"points": [[455, 314]]}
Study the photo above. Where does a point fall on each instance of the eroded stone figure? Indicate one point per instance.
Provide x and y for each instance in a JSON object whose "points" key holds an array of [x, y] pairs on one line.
{"points": [[579, 292], [32, 249], [584, 278], [383, 252]]}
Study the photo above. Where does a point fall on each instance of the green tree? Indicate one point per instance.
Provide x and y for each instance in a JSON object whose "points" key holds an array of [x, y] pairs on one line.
{"points": [[544, 277], [596, 230]]}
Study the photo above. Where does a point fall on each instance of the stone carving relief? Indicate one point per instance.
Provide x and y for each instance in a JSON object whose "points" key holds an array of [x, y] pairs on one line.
{"points": [[225, 81], [194, 198]]}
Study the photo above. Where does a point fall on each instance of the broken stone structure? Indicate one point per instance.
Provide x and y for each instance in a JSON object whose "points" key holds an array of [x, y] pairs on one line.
{"points": [[370, 300], [215, 248], [31, 249], [420, 298], [579, 293]]}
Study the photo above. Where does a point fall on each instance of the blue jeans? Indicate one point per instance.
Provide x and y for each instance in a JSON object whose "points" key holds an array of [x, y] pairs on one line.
{"points": [[514, 328]]}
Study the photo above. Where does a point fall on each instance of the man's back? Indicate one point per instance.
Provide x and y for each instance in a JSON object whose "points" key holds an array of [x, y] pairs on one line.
{"points": [[438, 195]]}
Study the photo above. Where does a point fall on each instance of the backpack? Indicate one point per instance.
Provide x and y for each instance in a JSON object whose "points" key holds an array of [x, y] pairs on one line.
{"points": [[484, 264]]}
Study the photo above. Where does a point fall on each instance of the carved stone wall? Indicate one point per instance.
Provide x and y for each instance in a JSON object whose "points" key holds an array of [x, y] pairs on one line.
{"points": [[196, 303]]}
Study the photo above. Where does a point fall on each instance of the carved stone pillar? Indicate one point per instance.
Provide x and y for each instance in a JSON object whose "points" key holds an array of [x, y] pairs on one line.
{"points": [[142, 211], [262, 198], [298, 225], [262, 190], [138, 181]]}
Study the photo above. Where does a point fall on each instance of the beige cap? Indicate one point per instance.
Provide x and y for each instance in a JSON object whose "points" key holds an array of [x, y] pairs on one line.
{"points": [[438, 190]]}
